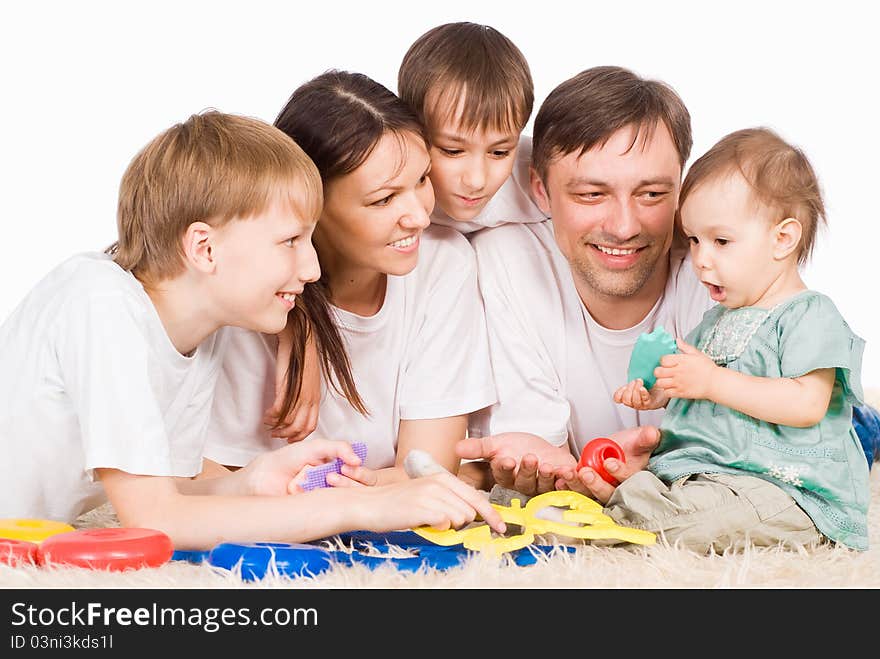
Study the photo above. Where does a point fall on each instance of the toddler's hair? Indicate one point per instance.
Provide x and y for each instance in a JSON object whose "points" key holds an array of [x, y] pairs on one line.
{"points": [[587, 109], [470, 62], [780, 175], [211, 168]]}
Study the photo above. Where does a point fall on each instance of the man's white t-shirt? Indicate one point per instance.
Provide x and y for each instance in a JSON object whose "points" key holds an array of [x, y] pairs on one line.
{"points": [[556, 369], [511, 204], [423, 355], [90, 379]]}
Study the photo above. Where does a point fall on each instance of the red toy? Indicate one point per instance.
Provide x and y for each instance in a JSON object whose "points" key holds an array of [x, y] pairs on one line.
{"points": [[107, 549], [17, 552], [596, 452]]}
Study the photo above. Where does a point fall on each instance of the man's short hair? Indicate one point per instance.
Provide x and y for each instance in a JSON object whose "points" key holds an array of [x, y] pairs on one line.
{"points": [[586, 110], [780, 175], [211, 168], [470, 61]]}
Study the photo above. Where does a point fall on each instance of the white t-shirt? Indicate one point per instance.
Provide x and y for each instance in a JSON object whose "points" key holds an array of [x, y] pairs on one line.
{"points": [[556, 369], [423, 355], [511, 204], [90, 379]]}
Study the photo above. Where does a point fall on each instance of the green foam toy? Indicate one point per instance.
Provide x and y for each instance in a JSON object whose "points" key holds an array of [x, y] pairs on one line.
{"points": [[646, 354]]}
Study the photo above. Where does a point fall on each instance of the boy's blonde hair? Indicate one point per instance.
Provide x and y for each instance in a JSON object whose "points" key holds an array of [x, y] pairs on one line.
{"points": [[472, 61], [211, 168], [780, 175]]}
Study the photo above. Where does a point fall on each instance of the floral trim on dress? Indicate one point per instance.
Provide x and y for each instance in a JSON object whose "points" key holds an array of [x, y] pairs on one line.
{"points": [[790, 475], [732, 332]]}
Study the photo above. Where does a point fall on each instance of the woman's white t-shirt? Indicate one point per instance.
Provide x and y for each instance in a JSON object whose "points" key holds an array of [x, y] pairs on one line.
{"points": [[423, 355]]}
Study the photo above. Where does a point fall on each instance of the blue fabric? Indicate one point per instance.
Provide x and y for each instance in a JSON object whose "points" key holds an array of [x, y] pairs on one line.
{"points": [[866, 421]]}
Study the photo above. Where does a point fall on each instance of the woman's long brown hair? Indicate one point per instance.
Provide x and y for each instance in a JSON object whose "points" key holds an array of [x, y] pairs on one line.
{"points": [[311, 317], [337, 118]]}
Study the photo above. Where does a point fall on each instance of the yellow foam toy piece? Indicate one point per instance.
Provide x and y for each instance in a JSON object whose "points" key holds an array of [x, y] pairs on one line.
{"points": [[583, 519], [31, 530]]}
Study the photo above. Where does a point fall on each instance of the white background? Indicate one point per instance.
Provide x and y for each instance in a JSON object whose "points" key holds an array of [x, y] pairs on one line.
{"points": [[86, 84]]}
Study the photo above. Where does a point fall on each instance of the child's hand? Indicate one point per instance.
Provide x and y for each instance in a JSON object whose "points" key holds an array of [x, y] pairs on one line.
{"points": [[687, 374], [633, 394], [440, 500], [303, 417], [353, 477], [279, 472]]}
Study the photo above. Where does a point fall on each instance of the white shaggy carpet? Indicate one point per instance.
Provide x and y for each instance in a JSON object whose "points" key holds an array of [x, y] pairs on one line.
{"points": [[656, 566]]}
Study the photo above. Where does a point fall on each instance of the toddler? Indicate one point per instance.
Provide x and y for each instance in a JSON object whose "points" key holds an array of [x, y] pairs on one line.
{"points": [[757, 442]]}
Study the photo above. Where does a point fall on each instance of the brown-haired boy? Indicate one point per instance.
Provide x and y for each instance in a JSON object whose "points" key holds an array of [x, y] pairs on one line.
{"points": [[472, 88], [110, 362]]}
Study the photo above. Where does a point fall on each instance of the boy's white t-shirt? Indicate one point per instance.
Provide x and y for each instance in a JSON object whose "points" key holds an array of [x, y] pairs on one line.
{"points": [[511, 204], [90, 379], [423, 355], [556, 369]]}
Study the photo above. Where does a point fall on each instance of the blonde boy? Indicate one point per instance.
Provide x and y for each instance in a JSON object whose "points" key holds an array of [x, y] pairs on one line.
{"points": [[109, 364], [472, 88]]}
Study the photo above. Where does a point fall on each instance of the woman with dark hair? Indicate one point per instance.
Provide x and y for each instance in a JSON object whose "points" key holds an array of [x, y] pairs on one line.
{"points": [[403, 294]]}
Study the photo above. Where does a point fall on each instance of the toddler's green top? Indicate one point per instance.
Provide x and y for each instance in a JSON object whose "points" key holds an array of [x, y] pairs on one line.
{"points": [[823, 466]]}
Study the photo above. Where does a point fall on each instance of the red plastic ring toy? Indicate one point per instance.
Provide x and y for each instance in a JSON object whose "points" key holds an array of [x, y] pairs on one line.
{"points": [[596, 452], [107, 549], [17, 552]]}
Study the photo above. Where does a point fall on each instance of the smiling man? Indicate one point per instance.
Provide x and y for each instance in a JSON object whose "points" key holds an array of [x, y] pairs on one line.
{"points": [[567, 298]]}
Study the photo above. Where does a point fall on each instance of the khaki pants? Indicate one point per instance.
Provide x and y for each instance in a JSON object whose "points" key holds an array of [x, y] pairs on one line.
{"points": [[705, 511]]}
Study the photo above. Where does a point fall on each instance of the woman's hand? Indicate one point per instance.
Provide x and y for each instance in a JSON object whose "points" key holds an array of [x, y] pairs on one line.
{"points": [[302, 419]]}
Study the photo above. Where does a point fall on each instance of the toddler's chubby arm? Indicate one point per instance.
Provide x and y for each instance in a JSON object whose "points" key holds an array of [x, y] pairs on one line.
{"points": [[251, 504], [799, 402]]}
